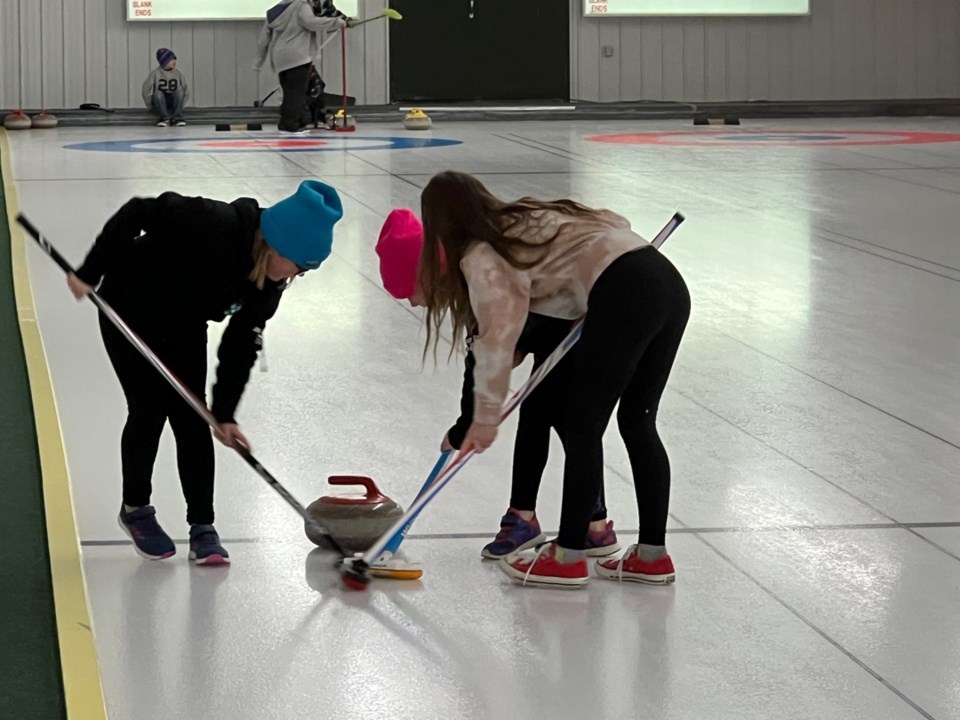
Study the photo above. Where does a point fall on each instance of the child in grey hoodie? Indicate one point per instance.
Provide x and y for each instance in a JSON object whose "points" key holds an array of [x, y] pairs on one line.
{"points": [[165, 90], [289, 39]]}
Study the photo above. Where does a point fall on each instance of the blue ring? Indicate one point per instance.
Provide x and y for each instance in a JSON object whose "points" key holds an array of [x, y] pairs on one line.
{"points": [[134, 146]]}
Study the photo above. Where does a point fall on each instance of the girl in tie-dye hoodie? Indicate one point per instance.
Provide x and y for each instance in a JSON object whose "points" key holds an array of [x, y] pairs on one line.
{"points": [[503, 260]]}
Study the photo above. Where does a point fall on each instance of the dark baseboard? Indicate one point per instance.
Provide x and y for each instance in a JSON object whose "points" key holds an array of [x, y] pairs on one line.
{"points": [[540, 110]]}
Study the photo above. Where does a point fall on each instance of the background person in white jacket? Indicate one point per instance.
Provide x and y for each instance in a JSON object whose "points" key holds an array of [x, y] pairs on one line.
{"points": [[289, 39], [165, 90]]}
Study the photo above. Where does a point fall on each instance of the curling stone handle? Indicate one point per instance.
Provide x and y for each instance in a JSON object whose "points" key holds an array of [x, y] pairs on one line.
{"points": [[373, 492]]}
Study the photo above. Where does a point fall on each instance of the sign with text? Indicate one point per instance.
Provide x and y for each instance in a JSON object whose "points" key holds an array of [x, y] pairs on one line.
{"points": [[189, 10], [620, 8]]}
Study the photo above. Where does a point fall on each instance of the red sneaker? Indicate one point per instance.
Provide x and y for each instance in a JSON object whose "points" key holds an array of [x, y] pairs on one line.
{"points": [[543, 568], [631, 567]]}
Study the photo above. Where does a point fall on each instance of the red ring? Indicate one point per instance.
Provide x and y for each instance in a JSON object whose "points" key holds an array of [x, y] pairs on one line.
{"points": [[658, 138]]}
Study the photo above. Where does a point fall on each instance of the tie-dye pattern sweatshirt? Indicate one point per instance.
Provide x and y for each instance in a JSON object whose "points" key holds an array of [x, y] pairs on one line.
{"points": [[559, 285]]}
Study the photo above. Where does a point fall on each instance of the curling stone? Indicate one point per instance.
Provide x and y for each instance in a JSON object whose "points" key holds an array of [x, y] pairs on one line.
{"points": [[45, 120], [704, 119], [17, 120], [355, 521], [417, 119], [237, 127], [351, 124]]}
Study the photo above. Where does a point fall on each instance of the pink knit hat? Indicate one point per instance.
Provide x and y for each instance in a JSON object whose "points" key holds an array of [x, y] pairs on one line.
{"points": [[399, 247]]}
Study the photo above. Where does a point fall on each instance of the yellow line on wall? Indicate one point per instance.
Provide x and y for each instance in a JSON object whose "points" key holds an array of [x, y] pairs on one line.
{"points": [[82, 686]]}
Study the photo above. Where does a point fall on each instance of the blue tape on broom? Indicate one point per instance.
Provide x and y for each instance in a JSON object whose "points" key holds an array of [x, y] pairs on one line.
{"points": [[394, 544]]}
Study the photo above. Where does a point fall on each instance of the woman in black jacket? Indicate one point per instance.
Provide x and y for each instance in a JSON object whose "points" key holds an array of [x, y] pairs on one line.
{"points": [[168, 266]]}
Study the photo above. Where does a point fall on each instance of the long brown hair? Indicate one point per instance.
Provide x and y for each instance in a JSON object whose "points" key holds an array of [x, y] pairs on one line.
{"points": [[458, 210]]}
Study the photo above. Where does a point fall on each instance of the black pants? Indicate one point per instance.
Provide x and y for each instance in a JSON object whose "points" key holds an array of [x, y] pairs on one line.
{"points": [[315, 101], [293, 109], [151, 401], [637, 313], [542, 411]]}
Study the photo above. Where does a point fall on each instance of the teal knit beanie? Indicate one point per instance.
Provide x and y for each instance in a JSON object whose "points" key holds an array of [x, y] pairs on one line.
{"points": [[300, 228]]}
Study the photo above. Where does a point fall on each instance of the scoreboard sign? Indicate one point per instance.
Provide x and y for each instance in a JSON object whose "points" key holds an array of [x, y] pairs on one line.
{"points": [[702, 8], [198, 10]]}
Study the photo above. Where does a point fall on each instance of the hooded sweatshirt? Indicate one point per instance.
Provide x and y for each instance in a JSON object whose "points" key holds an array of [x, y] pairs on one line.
{"points": [[557, 286], [165, 81], [288, 36], [541, 335]]}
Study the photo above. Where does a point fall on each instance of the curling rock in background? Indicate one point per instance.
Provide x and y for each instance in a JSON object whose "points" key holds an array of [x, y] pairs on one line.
{"points": [[17, 120], [355, 521], [45, 120], [350, 121], [417, 119], [704, 119]]}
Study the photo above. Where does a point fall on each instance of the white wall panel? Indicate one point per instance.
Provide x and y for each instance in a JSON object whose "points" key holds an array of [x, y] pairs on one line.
{"points": [[845, 49], [60, 53], [64, 52]]}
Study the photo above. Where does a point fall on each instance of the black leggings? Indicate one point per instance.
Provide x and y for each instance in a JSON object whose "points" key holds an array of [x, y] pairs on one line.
{"points": [[150, 403], [637, 312], [542, 410]]}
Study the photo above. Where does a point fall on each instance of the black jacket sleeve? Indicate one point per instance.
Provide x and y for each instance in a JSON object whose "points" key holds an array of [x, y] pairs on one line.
{"points": [[197, 225], [458, 432], [541, 335], [241, 342], [326, 8]]}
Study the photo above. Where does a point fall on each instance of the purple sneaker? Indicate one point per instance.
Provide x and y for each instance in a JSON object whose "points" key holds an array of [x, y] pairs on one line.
{"points": [[516, 535], [603, 543], [149, 539], [205, 547]]}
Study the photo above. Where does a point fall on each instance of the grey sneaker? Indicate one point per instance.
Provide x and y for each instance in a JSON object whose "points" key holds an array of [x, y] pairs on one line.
{"points": [[205, 547], [149, 539], [163, 123]]}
